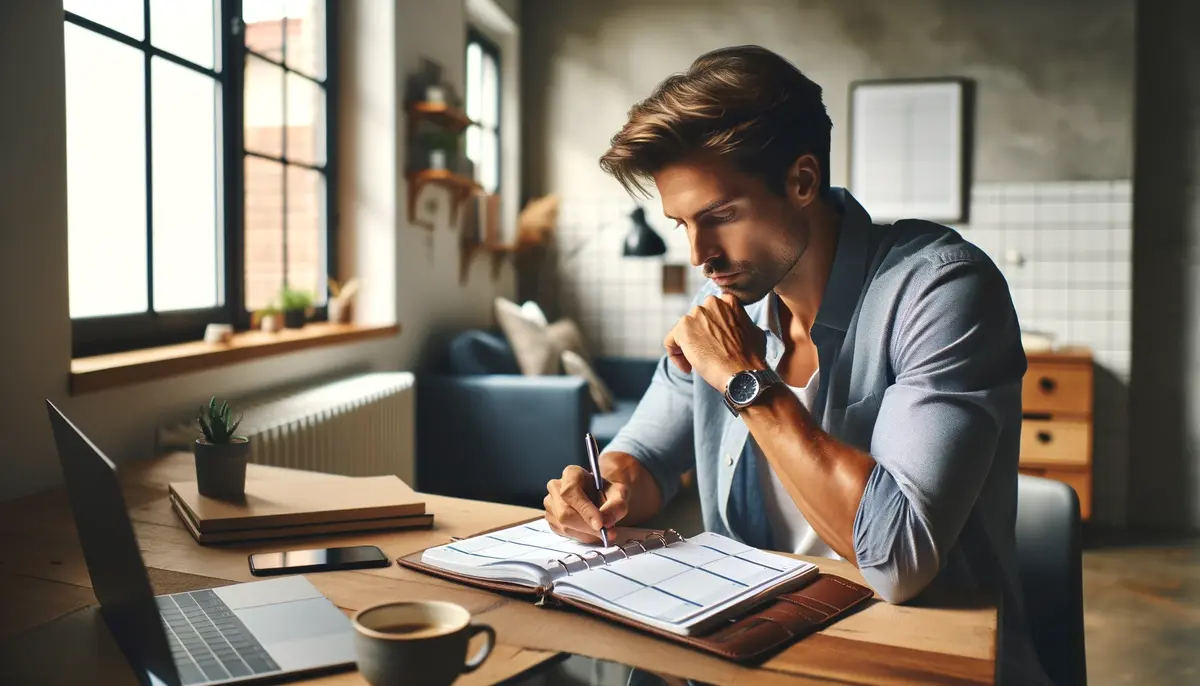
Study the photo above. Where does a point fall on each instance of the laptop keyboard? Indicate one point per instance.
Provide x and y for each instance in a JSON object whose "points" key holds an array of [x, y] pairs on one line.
{"points": [[209, 642]]}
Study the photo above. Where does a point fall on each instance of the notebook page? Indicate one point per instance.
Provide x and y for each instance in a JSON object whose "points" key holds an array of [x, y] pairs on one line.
{"points": [[687, 586], [525, 553]]}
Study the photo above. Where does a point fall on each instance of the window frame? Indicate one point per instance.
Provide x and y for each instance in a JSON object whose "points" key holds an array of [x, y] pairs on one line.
{"points": [[489, 48], [124, 332]]}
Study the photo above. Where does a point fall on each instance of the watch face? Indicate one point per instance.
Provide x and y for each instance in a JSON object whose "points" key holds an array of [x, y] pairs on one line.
{"points": [[742, 388]]}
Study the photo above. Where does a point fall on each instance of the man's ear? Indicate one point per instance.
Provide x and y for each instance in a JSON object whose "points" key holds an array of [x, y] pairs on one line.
{"points": [[804, 180]]}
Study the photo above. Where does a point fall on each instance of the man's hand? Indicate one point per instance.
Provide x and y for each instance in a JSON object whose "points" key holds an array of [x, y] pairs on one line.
{"points": [[570, 510], [716, 340]]}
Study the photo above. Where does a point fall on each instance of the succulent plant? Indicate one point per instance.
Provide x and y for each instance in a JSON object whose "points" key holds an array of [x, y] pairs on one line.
{"points": [[217, 423]]}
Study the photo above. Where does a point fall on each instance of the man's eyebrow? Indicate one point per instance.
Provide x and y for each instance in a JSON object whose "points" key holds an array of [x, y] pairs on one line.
{"points": [[704, 210]]}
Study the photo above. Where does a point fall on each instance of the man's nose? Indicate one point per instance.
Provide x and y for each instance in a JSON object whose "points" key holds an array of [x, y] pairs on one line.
{"points": [[703, 249]]}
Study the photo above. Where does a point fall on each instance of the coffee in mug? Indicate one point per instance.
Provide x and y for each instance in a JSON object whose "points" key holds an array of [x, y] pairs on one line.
{"points": [[422, 643]]}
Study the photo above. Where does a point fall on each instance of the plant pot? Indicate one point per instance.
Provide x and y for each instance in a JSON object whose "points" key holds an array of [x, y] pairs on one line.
{"points": [[271, 323], [221, 468], [294, 319], [340, 311]]}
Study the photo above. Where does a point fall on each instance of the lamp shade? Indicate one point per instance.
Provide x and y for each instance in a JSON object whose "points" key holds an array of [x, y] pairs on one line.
{"points": [[642, 241]]}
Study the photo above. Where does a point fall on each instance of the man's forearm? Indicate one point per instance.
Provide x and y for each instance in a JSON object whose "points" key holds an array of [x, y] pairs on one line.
{"points": [[644, 496], [825, 477]]}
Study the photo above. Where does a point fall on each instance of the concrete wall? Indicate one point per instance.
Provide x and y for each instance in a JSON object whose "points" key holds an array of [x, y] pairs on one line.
{"points": [[1164, 474], [410, 275], [1055, 78]]}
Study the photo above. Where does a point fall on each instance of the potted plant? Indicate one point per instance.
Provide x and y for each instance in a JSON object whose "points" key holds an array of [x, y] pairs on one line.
{"points": [[341, 297], [221, 454], [269, 319], [296, 305], [441, 148]]}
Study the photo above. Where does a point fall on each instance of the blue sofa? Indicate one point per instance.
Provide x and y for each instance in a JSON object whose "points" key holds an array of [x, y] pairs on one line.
{"points": [[486, 432]]}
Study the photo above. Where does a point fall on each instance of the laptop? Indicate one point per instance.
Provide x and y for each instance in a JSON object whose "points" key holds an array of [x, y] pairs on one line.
{"points": [[234, 634]]}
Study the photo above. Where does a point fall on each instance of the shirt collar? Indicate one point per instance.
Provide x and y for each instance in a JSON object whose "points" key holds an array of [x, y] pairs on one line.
{"points": [[846, 277]]}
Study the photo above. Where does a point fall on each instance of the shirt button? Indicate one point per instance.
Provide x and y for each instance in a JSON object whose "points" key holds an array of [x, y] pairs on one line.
{"points": [[729, 460]]}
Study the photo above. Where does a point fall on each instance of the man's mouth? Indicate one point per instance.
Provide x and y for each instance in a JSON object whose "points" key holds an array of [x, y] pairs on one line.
{"points": [[725, 279]]}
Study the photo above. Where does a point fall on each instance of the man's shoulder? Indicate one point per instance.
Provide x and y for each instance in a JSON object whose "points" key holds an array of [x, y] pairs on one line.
{"points": [[910, 251]]}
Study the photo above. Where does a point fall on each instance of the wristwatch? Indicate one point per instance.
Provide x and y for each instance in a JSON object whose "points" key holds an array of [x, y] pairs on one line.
{"points": [[746, 387]]}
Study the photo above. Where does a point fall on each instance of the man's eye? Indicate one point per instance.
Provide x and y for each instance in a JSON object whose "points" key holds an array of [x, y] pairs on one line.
{"points": [[722, 217]]}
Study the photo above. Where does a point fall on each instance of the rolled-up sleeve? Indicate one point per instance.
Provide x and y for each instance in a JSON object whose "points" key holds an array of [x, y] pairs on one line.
{"points": [[660, 433], [958, 364]]}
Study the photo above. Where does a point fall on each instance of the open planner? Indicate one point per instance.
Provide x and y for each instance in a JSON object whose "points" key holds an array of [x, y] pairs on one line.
{"points": [[687, 589]]}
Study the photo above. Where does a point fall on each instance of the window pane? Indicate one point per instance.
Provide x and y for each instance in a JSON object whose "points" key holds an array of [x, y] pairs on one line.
{"points": [[488, 167], [185, 164], [306, 120], [306, 230], [489, 98], [473, 142], [264, 26], [106, 174], [306, 36], [264, 107], [264, 231], [120, 15], [474, 79], [185, 28]]}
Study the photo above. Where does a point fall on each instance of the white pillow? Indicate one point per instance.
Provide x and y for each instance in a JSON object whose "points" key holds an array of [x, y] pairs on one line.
{"points": [[536, 353]]}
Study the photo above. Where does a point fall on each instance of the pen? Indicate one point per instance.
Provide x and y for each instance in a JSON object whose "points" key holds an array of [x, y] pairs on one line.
{"points": [[593, 452]]}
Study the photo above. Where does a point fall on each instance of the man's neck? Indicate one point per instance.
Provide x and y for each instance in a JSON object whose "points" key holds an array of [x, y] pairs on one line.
{"points": [[801, 291]]}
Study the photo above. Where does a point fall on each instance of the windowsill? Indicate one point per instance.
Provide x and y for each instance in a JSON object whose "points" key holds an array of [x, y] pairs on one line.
{"points": [[100, 372]]}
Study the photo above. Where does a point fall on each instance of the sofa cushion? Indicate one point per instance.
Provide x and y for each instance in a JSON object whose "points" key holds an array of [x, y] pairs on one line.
{"points": [[606, 425], [480, 352]]}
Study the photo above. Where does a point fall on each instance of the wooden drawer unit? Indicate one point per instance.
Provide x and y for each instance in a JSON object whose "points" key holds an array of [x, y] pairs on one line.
{"points": [[1056, 441], [1057, 389], [1056, 433]]}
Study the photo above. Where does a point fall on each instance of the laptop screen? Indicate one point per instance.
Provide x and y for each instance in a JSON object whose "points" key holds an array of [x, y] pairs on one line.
{"points": [[111, 551]]}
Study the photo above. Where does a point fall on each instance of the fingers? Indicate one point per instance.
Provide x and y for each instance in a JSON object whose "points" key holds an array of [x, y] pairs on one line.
{"points": [[568, 505], [675, 351], [616, 504]]}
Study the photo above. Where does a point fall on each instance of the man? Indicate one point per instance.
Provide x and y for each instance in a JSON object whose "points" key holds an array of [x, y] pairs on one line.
{"points": [[841, 388]]}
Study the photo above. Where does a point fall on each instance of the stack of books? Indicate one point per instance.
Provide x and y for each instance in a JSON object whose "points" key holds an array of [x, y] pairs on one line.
{"points": [[286, 504]]}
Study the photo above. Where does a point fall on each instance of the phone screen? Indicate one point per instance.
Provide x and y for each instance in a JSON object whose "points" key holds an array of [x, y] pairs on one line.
{"points": [[317, 560]]}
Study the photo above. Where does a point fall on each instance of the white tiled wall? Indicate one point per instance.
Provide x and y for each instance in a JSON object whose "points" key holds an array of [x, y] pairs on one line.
{"points": [[1064, 248]]}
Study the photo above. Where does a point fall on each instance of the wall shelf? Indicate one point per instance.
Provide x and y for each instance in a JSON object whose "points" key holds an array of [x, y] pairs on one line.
{"points": [[461, 187], [499, 252], [439, 113]]}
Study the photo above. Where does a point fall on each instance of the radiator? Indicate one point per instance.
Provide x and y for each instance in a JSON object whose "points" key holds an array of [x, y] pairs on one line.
{"points": [[357, 426]]}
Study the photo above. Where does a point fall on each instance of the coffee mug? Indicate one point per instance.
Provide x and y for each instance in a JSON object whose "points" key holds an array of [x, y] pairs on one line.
{"points": [[420, 643]]}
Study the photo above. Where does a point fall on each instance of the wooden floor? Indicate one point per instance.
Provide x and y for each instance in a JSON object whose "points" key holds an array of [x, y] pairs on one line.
{"points": [[1141, 609]]}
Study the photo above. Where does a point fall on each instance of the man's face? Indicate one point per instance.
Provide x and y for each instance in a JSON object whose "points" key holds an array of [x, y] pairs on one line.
{"points": [[746, 237]]}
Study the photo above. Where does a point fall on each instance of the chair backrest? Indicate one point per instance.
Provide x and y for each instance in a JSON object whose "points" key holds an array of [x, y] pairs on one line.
{"points": [[476, 351], [1050, 563]]}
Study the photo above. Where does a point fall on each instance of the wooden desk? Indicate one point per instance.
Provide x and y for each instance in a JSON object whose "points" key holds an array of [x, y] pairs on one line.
{"points": [[49, 627]]}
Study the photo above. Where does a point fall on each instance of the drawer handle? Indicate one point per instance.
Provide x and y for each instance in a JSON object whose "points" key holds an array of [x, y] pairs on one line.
{"points": [[1047, 384], [1044, 437]]}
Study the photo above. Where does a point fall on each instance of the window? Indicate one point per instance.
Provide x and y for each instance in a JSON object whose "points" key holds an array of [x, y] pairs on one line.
{"points": [[199, 174], [483, 107]]}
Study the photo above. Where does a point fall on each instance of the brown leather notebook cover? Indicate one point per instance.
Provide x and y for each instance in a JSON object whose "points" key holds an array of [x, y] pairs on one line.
{"points": [[354, 526], [294, 498], [752, 637]]}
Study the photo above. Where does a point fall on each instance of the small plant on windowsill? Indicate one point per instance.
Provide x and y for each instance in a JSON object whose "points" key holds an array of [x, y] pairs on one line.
{"points": [[268, 319], [221, 454], [297, 307]]}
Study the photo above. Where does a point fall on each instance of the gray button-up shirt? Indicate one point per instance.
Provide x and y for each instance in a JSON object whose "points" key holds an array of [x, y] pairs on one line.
{"points": [[921, 366]]}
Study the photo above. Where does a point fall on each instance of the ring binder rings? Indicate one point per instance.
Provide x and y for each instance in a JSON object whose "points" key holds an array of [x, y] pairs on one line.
{"points": [[706, 591], [603, 558]]}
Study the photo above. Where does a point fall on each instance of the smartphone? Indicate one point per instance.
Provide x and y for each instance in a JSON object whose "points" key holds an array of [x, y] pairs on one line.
{"points": [[317, 560]]}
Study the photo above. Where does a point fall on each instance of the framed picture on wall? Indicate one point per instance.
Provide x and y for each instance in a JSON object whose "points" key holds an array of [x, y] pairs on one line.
{"points": [[910, 148]]}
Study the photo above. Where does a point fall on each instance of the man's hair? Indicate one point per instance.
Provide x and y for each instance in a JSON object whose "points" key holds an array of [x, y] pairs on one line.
{"points": [[746, 104]]}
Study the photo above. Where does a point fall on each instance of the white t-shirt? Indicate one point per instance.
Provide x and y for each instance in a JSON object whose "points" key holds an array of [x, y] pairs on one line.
{"points": [[789, 529]]}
